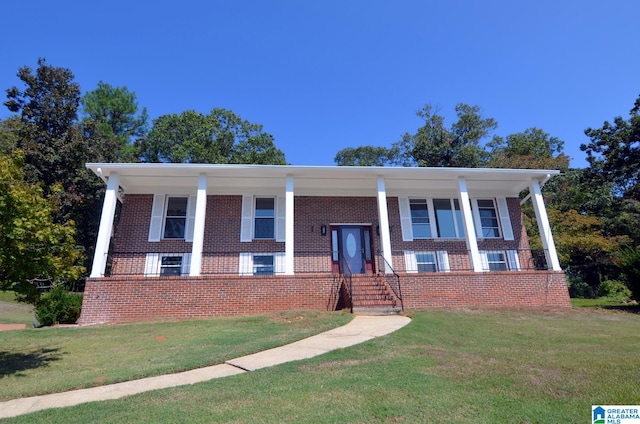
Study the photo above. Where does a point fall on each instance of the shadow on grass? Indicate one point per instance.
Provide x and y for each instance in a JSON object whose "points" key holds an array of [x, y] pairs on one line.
{"points": [[634, 309], [15, 363]]}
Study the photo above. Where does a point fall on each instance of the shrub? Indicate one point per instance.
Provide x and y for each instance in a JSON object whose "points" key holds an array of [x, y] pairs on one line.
{"points": [[58, 307], [629, 262], [614, 289]]}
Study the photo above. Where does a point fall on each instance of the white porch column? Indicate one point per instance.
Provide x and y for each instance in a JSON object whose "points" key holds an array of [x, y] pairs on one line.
{"points": [[288, 237], [198, 227], [543, 226], [469, 230], [383, 216], [106, 227]]}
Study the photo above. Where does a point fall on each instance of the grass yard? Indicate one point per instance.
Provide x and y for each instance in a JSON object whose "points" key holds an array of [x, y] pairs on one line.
{"points": [[48, 360], [461, 366], [12, 312]]}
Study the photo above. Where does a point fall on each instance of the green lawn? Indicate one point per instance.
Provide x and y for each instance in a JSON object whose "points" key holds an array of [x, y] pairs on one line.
{"points": [[463, 366], [47, 360], [12, 312]]}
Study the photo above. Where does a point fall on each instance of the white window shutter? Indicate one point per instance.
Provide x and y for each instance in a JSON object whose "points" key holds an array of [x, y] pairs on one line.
{"points": [[157, 215], [514, 262], [246, 225], [281, 218], [443, 261], [477, 222], [246, 264], [505, 219], [186, 264], [405, 218], [485, 260], [410, 263], [152, 265], [279, 259], [191, 218]]}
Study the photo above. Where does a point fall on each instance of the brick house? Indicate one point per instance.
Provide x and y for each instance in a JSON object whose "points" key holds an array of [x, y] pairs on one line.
{"points": [[198, 240]]}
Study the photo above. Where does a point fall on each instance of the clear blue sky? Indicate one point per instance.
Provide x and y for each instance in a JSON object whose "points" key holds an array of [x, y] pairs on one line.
{"points": [[325, 75]]}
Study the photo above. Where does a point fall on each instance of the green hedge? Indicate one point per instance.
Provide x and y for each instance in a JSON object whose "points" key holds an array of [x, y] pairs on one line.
{"points": [[59, 306]]}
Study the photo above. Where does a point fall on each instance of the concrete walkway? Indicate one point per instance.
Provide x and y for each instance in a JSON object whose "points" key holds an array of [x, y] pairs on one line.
{"points": [[360, 329]]}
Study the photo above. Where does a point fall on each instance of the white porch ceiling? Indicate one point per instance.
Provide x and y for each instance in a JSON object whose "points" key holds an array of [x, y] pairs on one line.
{"points": [[145, 178]]}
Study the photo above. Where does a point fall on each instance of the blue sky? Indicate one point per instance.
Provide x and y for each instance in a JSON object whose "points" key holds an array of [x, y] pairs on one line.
{"points": [[325, 75]]}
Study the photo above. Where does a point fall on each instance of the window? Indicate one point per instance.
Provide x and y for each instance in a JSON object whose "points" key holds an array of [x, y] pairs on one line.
{"points": [[488, 218], [426, 261], [496, 261], [263, 265], [420, 218], [167, 264], [170, 265], [175, 218], [500, 260], [448, 218], [265, 218]]}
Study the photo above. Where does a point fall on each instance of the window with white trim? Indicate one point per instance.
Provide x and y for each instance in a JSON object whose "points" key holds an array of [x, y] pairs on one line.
{"points": [[489, 221], [420, 224], [428, 261], [167, 264], [500, 260], [261, 263], [175, 217], [448, 218], [264, 218], [172, 217]]}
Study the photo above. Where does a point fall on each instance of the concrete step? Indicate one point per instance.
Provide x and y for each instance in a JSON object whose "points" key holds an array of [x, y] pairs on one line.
{"points": [[377, 311]]}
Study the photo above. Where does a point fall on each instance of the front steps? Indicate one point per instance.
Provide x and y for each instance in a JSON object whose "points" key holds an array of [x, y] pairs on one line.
{"points": [[372, 296]]}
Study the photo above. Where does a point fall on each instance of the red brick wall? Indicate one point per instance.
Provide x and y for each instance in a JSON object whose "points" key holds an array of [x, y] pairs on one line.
{"points": [[129, 299], [137, 299], [312, 250], [503, 289]]}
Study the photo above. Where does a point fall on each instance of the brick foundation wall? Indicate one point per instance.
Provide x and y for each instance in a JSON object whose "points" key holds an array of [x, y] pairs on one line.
{"points": [[117, 300], [501, 289], [127, 299]]}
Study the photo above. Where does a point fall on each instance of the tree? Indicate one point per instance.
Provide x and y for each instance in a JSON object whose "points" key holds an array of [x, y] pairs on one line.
{"points": [[531, 149], [32, 244], [219, 137], [56, 147], [115, 111], [366, 156], [614, 152], [434, 145]]}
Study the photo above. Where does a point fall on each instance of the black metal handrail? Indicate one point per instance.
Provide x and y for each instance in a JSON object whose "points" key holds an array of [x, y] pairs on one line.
{"points": [[387, 265], [347, 275]]}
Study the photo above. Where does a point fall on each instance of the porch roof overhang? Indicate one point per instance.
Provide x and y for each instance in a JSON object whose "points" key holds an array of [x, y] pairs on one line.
{"points": [[146, 178]]}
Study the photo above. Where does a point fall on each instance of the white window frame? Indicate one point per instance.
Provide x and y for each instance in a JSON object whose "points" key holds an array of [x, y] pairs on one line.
{"points": [[167, 216], [248, 217], [511, 260], [153, 263], [458, 227], [158, 217], [501, 209], [441, 261], [246, 264], [425, 202]]}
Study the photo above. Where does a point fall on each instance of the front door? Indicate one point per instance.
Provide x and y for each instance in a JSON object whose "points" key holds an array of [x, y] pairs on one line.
{"points": [[351, 245]]}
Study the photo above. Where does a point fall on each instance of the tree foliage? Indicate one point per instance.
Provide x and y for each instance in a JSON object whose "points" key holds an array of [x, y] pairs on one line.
{"points": [[366, 156], [531, 149], [56, 146], [614, 152], [435, 145], [116, 113], [218, 137], [32, 244]]}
